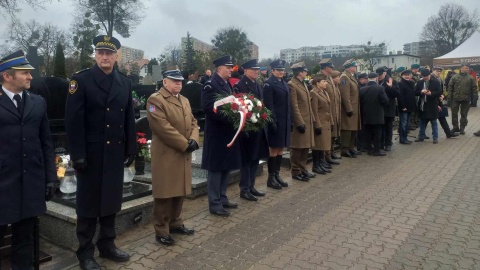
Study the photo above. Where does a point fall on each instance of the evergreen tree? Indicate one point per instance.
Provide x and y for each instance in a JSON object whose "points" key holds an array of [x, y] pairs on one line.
{"points": [[59, 67], [190, 64]]}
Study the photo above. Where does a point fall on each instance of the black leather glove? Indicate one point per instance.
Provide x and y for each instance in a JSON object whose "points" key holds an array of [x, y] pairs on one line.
{"points": [[318, 131], [192, 146], [301, 129], [79, 165], [49, 191], [349, 114], [129, 160]]}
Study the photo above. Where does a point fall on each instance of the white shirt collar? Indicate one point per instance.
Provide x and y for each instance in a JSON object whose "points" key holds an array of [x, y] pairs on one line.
{"points": [[11, 94]]}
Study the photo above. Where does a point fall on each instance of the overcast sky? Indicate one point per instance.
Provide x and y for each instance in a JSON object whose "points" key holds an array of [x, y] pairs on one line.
{"points": [[271, 24]]}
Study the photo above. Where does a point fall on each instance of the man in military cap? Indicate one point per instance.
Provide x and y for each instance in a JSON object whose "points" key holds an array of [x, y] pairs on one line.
{"points": [[350, 109], [327, 68], [100, 125], [217, 158], [174, 138], [415, 72], [302, 119], [262, 76], [362, 79], [254, 144], [393, 93], [461, 89], [27, 159]]}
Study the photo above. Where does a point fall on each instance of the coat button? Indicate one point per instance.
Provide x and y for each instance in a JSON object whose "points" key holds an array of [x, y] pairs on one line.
{"points": [[24, 139], [24, 155], [108, 109], [108, 126], [121, 126], [24, 171], [120, 142], [108, 142], [121, 110]]}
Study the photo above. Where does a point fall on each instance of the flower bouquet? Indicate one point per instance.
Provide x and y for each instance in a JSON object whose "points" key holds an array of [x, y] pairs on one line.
{"points": [[143, 146], [138, 102], [246, 112]]}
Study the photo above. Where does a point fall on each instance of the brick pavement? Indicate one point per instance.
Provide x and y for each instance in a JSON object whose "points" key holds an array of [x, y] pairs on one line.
{"points": [[416, 208]]}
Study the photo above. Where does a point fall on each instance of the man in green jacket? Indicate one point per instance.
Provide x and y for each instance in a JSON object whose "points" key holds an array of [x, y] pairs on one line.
{"points": [[460, 90]]}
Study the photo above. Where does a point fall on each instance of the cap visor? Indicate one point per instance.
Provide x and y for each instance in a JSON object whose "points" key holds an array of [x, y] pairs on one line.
{"points": [[106, 48], [27, 66], [176, 78]]}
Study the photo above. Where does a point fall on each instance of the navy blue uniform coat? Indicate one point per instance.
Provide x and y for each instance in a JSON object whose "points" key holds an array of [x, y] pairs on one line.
{"points": [[100, 128], [254, 144], [276, 97], [372, 101], [218, 130], [27, 159]]}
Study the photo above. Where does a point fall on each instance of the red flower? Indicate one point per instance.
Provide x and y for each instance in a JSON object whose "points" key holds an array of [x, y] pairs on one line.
{"points": [[249, 115], [140, 134], [142, 141], [251, 97], [264, 116], [235, 106], [259, 108]]}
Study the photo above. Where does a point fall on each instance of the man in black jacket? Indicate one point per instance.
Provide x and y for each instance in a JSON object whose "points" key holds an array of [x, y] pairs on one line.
{"points": [[406, 104], [429, 91], [372, 101], [27, 159], [391, 89]]}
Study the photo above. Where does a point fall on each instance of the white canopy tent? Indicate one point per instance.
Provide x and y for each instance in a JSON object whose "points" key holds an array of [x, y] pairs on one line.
{"points": [[467, 53]]}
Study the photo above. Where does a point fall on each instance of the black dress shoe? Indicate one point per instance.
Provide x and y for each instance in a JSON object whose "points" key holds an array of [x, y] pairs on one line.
{"points": [[248, 196], [222, 212], [318, 169], [308, 174], [182, 230], [325, 169], [89, 264], [326, 164], [358, 153], [230, 205], [333, 162], [379, 154], [435, 141], [427, 138], [388, 148], [346, 154], [418, 140], [353, 154], [257, 193], [336, 156], [165, 240], [115, 255], [300, 177], [406, 142], [452, 135], [280, 181]]}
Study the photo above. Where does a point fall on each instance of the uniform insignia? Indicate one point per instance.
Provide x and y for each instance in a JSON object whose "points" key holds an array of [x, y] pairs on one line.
{"points": [[152, 108], [73, 87], [344, 82]]}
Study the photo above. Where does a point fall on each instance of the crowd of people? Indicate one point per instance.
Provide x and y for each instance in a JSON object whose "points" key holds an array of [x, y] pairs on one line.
{"points": [[355, 110]]}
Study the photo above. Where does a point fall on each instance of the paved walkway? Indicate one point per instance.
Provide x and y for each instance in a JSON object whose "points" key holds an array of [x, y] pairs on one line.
{"points": [[416, 208]]}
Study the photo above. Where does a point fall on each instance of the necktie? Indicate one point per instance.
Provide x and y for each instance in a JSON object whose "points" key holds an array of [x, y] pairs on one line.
{"points": [[18, 98]]}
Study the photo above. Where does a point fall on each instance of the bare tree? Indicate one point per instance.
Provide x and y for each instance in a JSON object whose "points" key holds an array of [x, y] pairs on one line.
{"points": [[449, 28], [171, 57], [119, 15], [11, 7]]}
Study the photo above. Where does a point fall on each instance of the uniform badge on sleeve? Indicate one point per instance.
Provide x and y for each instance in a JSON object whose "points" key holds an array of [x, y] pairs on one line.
{"points": [[73, 87], [152, 108], [344, 82]]}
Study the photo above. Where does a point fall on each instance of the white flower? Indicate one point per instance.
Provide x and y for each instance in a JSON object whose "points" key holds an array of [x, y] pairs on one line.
{"points": [[257, 115], [249, 107], [149, 141], [253, 119], [259, 103]]}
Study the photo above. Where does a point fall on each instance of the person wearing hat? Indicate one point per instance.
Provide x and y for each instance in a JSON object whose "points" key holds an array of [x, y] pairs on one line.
{"points": [[276, 97], [262, 76], [393, 93], [302, 118], [415, 72], [100, 127], [406, 104], [27, 159], [428, 89], [321, 107], [254, 144], [372, 101], [461, 90], [175, 136], [362, 79], [351, 121], [217, 158], [326, 68]]}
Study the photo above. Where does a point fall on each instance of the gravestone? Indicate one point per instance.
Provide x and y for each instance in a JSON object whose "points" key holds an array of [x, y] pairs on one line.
{"points": [[141, 125], [34, 60], [156, 73], [54, 90], [193, 92]]}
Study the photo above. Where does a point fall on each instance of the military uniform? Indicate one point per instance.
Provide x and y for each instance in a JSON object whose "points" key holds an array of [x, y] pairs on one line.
{"points": [[217, 158], [351, 122], [100, 126], [460, 90], [302, 116]]}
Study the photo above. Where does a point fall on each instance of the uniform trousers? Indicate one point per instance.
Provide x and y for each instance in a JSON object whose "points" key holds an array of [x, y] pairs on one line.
{"points": [[22, 243], [298, 160], [86, 227], [166, 214], [373, 135], [217, 182], [464, 107], [387, 132], [348, 139], [248, 173]]}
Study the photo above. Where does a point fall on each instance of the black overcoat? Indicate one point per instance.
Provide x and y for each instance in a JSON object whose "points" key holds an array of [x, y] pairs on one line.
{"points": [[100, 127], [407, 96], [430, 107], [254, 144], [27, 158], [219, 131], [276, 97], [393, 94], [372, 102]]}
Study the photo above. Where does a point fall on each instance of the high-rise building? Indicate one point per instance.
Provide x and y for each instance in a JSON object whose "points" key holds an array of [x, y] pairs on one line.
{"points": [[414, 48], [128, 55], [253, 51], [319, 52], [198, 45]]}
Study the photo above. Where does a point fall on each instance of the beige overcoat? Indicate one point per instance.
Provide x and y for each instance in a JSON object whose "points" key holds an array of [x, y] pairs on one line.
{"points": [[350, 101], [321, 106], [172, 124], [302, 114], [335, 105]]}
